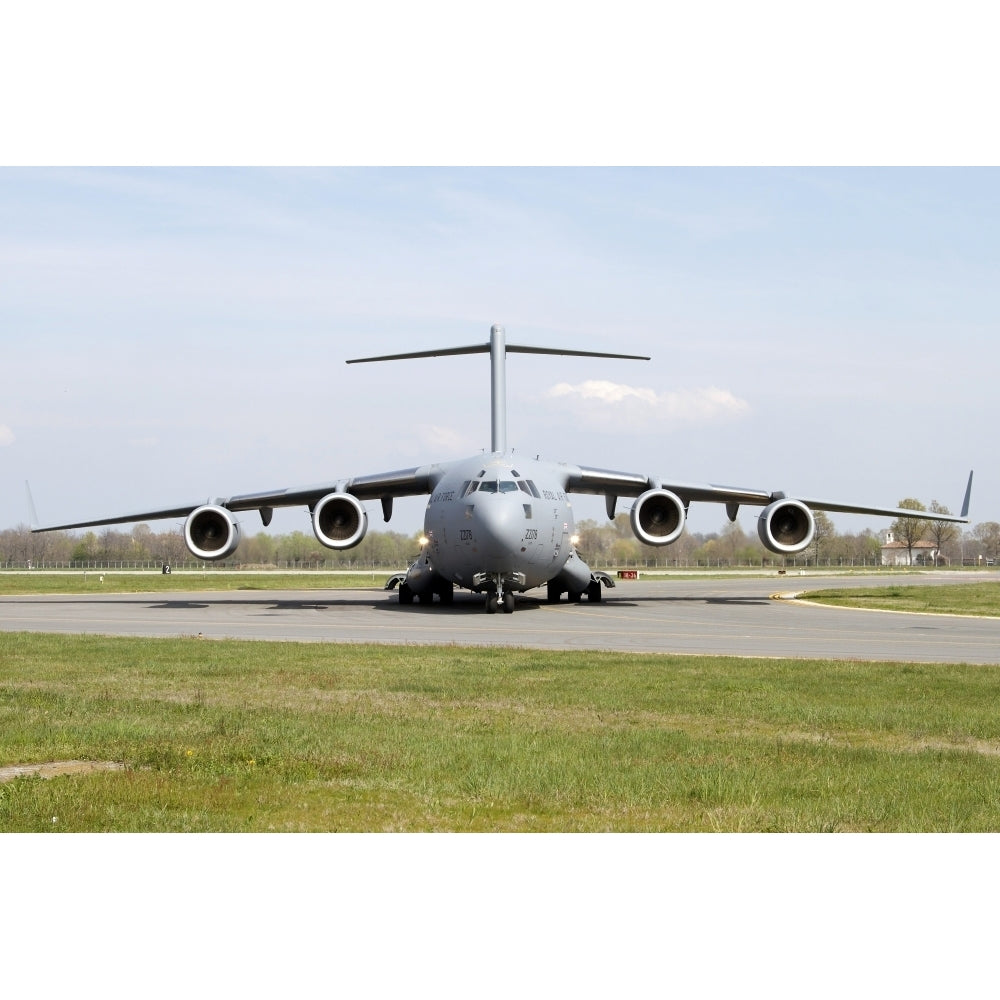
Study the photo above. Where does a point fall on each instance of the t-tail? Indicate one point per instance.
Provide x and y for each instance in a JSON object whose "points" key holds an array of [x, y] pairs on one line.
{"points": [[498, 349]]}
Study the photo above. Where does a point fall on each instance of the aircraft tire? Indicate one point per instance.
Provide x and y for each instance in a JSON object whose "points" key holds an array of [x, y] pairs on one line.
{"points": [[508, 602], [552, 593], [491, 604], [594, 590], [405, 594]]}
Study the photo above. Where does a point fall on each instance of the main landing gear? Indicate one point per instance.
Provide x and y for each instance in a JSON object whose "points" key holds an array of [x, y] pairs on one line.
{"points": [[555, 589], [441, 588]]}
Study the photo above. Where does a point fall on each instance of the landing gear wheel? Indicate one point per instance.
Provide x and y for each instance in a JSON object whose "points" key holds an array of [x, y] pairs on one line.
{"points": [[575, 596], [594, 590], [491, 604], [508, 602], [405, 594], [552, 593]]}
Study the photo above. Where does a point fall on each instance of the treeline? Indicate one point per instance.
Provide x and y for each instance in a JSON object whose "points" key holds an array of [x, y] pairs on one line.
{"points": [[604, 545], [143, 547]]}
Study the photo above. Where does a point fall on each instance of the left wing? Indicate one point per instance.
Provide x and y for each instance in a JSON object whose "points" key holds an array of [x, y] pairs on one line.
{"points": [[604, 482], [785, 526]]}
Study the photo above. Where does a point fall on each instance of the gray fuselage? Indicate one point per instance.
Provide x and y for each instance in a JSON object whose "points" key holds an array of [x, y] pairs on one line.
{"points": [[499, 514]]}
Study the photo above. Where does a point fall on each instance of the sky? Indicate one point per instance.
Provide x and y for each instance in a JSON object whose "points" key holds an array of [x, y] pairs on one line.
{"points": [[171, 334]]}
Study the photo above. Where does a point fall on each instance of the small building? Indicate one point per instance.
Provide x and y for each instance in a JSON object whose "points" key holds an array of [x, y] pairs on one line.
{"points": [[896, 553]]}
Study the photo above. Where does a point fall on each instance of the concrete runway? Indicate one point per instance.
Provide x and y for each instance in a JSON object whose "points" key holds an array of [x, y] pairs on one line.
{"points": [[683, 614]]}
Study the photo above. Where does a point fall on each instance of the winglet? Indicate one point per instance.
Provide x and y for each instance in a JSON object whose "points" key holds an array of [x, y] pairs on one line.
{"points": [[32, 513], [968, 497]]}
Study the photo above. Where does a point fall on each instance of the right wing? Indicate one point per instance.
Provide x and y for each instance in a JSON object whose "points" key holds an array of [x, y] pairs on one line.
{"points": [[382, 486]]}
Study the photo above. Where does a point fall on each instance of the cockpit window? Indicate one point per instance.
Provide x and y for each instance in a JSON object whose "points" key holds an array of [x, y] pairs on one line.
{"points": [[496, 486]]}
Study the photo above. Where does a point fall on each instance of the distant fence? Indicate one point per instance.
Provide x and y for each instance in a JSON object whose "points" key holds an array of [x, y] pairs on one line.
{"points": [[195, 564], [357, 566]]}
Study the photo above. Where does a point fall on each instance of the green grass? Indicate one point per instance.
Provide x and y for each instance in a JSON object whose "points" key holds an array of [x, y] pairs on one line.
{"points": [[959, 598], [153, 582], [257, 736]]}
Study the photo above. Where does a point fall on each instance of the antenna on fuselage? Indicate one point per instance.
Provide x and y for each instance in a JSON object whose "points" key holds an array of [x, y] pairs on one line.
{"points": [[498, 349]]}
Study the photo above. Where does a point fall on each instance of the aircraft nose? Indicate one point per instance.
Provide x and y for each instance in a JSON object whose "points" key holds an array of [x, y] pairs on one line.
{"points": [[496, 525]]}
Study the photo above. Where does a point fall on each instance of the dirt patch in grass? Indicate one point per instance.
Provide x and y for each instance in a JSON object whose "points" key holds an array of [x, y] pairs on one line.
{"points": [[55, 768]]}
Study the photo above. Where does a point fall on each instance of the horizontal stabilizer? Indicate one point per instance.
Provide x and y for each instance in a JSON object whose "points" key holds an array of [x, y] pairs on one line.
{"points": [[444, 352], [498, 349], [518, 349]]}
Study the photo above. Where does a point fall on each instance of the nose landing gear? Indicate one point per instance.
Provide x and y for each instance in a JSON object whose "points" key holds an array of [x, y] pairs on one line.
{"points": [[498, 598]]}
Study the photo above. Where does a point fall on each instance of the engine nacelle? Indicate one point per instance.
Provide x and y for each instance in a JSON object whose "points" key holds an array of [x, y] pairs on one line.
{"points": [[211, 533], [786, 526], [657, 517], [340, 521]]}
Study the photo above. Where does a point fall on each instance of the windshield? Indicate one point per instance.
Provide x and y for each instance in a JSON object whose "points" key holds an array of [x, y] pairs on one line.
{"points": [[498, 486]]}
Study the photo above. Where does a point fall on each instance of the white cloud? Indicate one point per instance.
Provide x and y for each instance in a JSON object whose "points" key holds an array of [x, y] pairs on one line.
{"points": [[6, 435], [445, 440], [607, 400]]}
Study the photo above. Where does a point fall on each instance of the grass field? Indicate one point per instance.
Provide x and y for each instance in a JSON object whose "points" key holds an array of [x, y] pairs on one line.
{"points": [[255, 736], [958, 598]]}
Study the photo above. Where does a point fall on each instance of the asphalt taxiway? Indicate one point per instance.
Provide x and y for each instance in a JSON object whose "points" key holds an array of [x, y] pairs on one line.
{"points": [[683, 614]]}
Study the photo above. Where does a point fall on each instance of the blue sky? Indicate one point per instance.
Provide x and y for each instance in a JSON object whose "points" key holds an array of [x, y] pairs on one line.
{"points": [[173, 333]]}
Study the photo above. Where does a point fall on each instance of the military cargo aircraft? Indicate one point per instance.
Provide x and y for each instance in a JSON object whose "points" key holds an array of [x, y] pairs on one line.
{"points": [[499, 524]]}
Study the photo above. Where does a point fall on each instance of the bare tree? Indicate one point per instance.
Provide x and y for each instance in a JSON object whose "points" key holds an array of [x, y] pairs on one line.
{"points": [[732, 540], [941, 532], [910, 530], [989, 534], [824, 531]]}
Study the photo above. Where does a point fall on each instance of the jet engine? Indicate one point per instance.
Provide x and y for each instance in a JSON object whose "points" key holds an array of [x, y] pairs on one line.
{"points": [[339, 521], [211, 533], [657, 517], [786, 526]]}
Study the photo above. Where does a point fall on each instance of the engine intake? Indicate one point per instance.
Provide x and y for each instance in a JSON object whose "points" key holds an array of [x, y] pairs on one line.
{"points": [[211, 533], [657, 517], [786, 526], [340, 521]]}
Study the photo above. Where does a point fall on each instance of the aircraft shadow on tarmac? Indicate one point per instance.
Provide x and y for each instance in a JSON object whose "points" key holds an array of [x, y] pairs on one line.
{"points": [[463, 604]]}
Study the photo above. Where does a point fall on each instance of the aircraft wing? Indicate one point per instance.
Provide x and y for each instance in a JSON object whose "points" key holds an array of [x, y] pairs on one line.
{"points": [[382, 486], [604, 482]]}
